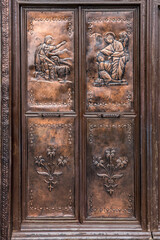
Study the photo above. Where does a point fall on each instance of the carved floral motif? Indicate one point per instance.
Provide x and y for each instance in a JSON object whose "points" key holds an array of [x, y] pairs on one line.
{"points": [[50, 168], [110, 168]]}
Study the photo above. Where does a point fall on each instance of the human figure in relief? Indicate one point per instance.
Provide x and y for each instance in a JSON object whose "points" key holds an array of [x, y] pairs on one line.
{"points": [[48, 63], [112, 60]]}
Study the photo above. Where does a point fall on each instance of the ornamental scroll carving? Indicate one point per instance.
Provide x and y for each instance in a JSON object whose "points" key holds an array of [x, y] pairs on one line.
{"points": [[50, 168], [5, 119], [109, 169]]}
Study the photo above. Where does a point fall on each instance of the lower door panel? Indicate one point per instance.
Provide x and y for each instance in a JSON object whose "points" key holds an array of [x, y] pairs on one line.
{"points": [[50, 168], [110, 169]]}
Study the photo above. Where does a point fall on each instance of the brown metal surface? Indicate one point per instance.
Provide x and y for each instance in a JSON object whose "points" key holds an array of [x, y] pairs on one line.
{"points": [[79, 128], [110, 168], [109, 60], [50, 48], [51, 168]]}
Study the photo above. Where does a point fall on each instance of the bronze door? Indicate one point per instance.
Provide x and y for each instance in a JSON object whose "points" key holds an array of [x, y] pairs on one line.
{"points": [[79, 123]]}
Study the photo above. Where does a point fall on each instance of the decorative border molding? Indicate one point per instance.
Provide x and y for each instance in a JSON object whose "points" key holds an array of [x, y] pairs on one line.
{"points": [[109, 210], [51, 19], [128, 126], [92, 103], [33, 102], [91, 20], [5, 120], [33, 126], [67, 208]]}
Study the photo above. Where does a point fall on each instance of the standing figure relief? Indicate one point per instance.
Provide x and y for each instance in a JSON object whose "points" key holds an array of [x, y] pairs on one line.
{"points": [[48, 61], [112, 60]]}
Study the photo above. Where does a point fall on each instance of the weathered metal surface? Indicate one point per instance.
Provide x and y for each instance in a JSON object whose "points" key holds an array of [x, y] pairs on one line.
{"points": [[43, 185], [50, 47], [109, 61], [110, 168], [51, 173]]}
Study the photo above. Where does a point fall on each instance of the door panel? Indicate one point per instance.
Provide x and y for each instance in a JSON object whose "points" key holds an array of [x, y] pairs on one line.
{"points": [[51, 60], [110, 168], [49, 91], [111, 113], [110, 42], [50, 164]]}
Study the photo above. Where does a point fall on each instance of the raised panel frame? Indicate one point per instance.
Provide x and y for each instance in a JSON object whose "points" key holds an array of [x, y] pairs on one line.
{"points": [[134, 95], [45, 114], [98, 115], [72, 90]]}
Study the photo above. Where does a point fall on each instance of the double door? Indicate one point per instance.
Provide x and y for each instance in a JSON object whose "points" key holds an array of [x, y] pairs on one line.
{"points": [[79, 122]]}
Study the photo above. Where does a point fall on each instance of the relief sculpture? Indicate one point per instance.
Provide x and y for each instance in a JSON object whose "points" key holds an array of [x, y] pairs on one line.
{"points": [[110, 167], [48, 62], [112, 60], [48, 168], [109, 57], [50, 83], [51, 166]]}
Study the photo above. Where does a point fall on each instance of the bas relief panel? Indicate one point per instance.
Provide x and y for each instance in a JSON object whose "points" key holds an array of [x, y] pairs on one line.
{"points": [[110, 168], [51, 173], [50, 54], [109, 61]]}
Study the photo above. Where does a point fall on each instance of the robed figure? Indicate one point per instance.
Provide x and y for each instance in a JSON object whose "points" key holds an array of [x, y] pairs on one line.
{"points": [[112, 60], [48, 63]]}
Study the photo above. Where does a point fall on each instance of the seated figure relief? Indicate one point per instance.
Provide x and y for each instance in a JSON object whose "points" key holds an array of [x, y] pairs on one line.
{"points": [[48, 63], [112, 60]]}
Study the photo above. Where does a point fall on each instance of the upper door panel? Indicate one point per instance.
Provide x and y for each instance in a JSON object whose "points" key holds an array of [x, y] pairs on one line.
{"points": [[110, 75], [49, 60]]}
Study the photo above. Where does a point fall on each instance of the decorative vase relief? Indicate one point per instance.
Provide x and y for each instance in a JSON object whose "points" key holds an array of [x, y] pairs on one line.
{"points": [[110, 168], [50, 168]]}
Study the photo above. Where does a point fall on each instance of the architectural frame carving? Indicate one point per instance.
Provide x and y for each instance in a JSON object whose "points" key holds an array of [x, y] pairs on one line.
{"points": [[5, 120]]}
